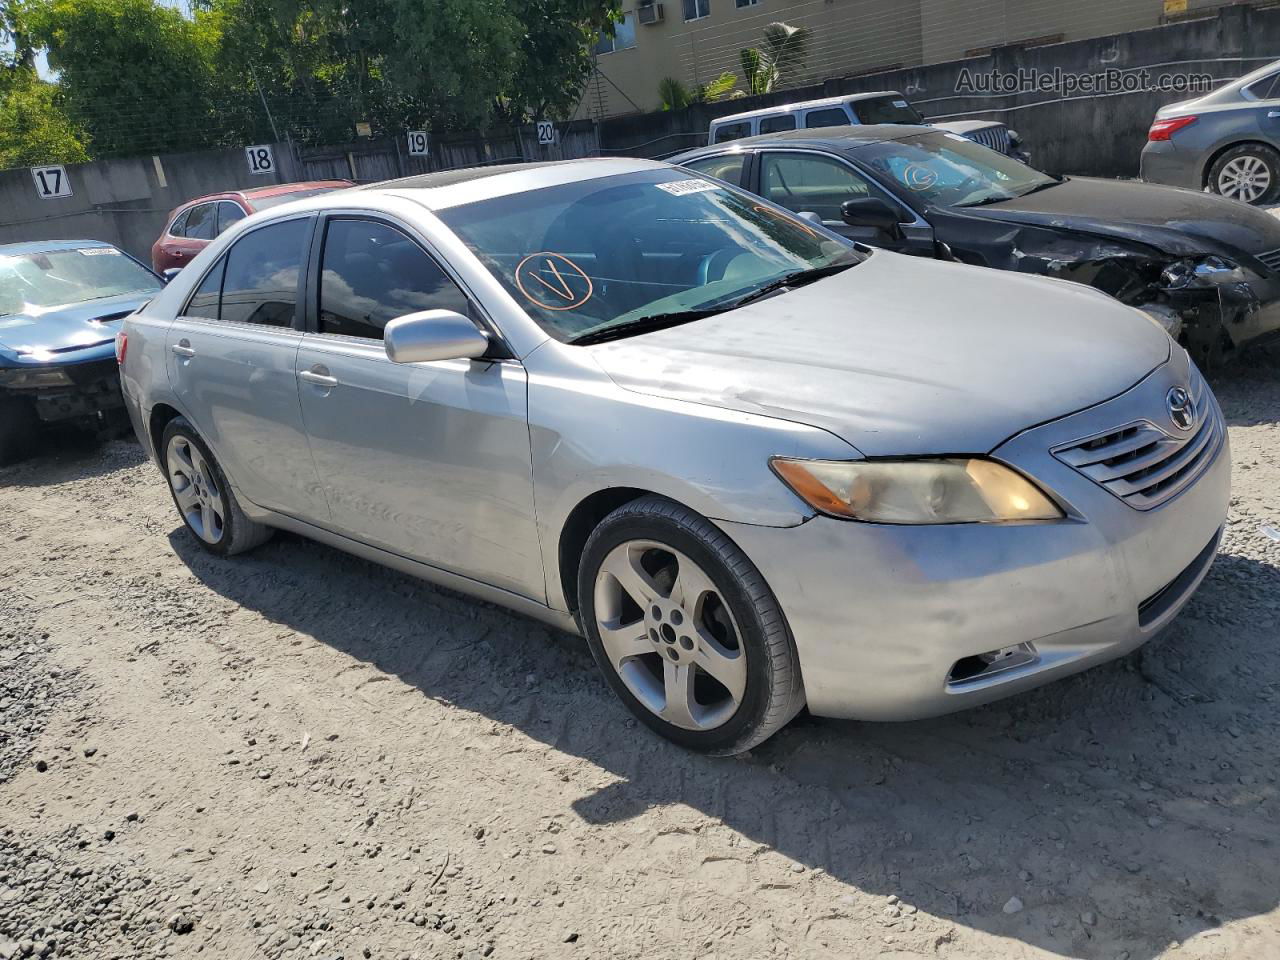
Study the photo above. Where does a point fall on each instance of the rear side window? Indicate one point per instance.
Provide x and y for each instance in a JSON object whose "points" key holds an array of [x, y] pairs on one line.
{"points": [[372, 273], [204, 302], [201, 222], [786, 121], [261, 281], [228, 213], [830, 117], [886, 110], [727, 166], [732, 131], [179, 226], [1264, 89]]}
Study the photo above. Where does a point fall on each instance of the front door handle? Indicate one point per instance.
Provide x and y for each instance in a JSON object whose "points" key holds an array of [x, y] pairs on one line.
{"points": [[319, 376], [183, 348], [1272, 114]]}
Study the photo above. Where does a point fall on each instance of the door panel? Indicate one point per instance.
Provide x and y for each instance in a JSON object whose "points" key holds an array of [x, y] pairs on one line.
{"points": [[428, 460]]}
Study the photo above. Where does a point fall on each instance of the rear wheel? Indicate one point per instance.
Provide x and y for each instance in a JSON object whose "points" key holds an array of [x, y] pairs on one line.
{"points": [[1249, 172], [204, 499], [17, 428], [685, 629]]}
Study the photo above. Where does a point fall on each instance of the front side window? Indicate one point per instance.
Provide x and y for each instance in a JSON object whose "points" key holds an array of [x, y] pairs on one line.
{"points": [[810, 184], [732, 131], [201, 222], [625, 250], [726, 167], [263, 267], [947, 169], [697, 9], [827, 117], [228, 213], [786, 121], [886, 110], [624, 36], [371, 273], [54, 278]]}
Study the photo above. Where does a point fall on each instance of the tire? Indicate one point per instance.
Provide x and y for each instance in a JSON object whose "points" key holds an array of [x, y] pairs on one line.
{"points": [[1249, 172], [17, 429], [739, 682], [202, 495]]}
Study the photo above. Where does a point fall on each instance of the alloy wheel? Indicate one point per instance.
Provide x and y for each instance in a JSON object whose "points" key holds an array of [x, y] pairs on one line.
{"points": [[195, 489], [669, 635], [1244, 178]]}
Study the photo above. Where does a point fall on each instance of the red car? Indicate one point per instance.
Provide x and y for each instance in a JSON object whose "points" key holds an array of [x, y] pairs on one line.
{"points": [[192, 225]]}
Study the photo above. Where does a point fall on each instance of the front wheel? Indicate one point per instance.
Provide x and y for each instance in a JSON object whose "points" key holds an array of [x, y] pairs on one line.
{"points": [[685, 629], [1249, 172]]}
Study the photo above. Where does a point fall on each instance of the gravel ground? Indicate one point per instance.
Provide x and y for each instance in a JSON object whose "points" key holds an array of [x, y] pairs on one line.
{"points": [[296, 753]]}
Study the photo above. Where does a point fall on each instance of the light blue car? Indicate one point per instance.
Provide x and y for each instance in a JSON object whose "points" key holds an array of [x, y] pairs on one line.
{"points": [[61, 303]]}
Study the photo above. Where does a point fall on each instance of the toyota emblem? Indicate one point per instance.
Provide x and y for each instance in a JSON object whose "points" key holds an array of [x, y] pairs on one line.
{"points": [[1182, 409]]}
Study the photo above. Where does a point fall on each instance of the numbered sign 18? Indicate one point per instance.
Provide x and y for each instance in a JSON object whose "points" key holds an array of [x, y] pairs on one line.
{"points": [[418, 145], [51, 182], [261, 159], [546, 131]]}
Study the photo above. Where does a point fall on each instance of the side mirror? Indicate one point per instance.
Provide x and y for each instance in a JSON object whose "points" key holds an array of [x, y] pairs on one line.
{"points": [[171, 273], [870, 212], [433, 335]]}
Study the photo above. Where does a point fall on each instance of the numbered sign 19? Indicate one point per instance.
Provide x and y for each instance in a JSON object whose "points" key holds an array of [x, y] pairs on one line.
{"points": [[418, 145], [261, 159], [51, 182], [546, 131]]}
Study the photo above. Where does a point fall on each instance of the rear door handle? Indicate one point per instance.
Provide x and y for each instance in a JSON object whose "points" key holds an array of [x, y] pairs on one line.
{"points": [[319, 376], [183, 349]]}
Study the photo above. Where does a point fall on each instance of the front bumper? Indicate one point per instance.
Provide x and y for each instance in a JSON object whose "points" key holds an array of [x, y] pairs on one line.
{"points": [[94, 388], [882, 615], [1163, 162]]}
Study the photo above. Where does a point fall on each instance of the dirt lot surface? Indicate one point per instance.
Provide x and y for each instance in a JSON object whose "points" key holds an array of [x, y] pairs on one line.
{"points": [[295, 753]]}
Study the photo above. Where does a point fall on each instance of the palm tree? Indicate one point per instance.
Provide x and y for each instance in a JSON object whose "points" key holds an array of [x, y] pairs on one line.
{"points": [[676, 96], [775, 61]]}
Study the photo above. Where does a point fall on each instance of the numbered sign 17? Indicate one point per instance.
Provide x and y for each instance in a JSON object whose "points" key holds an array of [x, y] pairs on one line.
{"points": [[546, 131], [418, 145], [51, 182], [261, 159]]}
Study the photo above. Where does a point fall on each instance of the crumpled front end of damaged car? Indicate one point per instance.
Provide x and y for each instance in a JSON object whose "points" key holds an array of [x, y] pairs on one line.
{"points": [[63, 385]]}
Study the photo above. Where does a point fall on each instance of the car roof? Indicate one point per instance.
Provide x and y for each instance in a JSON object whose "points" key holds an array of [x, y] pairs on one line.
{"points": [[47, 246], [823, 138], [803, 105], [270, 190]]}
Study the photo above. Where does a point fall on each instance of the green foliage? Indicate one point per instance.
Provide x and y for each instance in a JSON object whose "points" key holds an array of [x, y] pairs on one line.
{"points": [[782, 53], [36, 130], [676, 96]]}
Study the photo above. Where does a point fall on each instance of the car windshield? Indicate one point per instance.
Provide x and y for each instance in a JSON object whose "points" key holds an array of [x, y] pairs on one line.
{"points": [[56, 277], [886, 110], [947, 170], [613, 251], [275, 199]]}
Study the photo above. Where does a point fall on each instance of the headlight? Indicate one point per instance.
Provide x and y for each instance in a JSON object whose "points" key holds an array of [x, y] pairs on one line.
{"points": [[1015, 138], [33, 377], [1200, 274], [916, 491]]}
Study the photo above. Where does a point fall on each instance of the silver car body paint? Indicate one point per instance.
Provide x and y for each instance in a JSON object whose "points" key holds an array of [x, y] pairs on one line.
{"points": [[466, 472]]}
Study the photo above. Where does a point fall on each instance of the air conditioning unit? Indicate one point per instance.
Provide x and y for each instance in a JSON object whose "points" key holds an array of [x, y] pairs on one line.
{"points": [[649, 13]]}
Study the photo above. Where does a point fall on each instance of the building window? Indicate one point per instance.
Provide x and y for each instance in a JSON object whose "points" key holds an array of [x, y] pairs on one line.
{"points": [[697, 9], [624, 36], [745, 3]]}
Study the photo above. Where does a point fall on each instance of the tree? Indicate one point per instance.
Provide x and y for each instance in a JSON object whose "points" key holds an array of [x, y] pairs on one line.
{"points": [[36, 130], [676, 96], [783, 51], [554, 57], [135, 75]]}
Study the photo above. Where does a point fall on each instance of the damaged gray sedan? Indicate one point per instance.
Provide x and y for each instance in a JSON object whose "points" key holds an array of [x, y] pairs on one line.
{"points": [[1206, 268]]}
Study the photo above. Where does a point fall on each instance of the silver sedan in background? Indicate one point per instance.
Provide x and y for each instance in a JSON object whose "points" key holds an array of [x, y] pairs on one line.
{"points": [[756, 466]]}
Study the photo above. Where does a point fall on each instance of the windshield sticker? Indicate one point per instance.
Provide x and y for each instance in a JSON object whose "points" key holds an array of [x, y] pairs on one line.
{"points": [[918, 177], [98, 251], [678, 188], [553, 281], [901, 104]]}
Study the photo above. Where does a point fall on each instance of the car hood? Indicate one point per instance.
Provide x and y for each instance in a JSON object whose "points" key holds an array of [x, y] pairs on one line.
{"points": [[902, 356], [1177, 221], [69, 326]]}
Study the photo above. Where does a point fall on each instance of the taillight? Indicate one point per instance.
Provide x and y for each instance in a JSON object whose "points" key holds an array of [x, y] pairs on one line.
{"points": [[122, 347], [1164, 129]]}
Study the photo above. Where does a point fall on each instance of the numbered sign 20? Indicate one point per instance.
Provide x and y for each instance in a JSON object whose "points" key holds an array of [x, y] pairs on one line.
{"points": [[51, 182], [418, 145], [261, 159], [546, 131]]}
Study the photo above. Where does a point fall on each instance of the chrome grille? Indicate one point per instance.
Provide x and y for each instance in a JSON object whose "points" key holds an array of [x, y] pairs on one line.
{"points": [[996, 138], [1145, 465], [1271, 259]]}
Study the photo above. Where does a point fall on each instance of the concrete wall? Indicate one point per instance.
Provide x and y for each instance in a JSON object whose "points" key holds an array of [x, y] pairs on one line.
{"points": [[1094, 135], [126, 201]]}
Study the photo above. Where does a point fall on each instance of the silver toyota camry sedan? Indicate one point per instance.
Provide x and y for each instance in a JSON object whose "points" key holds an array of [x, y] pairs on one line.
{"points": [[756, 467]]}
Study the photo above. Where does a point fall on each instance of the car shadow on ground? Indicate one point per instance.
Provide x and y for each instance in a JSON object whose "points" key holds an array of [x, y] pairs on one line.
{"points": [[1126, 808], [1246, 386], [63, 453]]}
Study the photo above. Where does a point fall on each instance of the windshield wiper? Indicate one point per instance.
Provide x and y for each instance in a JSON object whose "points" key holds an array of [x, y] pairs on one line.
{"points": [[1041, 186], [659, 321]]}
